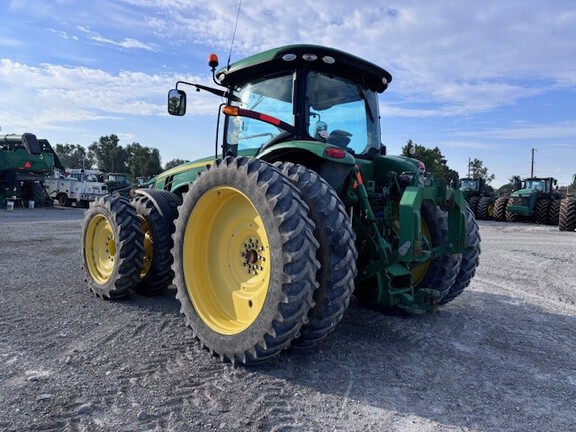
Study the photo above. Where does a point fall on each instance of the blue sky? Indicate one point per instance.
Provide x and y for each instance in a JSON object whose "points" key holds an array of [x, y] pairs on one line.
{"points": [[488, 80]]}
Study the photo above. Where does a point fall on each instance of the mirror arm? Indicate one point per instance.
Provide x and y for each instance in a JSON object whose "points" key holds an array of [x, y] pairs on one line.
{"points": [[214, 91]]}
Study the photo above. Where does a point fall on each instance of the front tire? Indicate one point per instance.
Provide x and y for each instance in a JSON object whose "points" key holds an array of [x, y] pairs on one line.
{"points": [[512, 217], [157, 224], [541, 211], [112, 247], [244, 260]]}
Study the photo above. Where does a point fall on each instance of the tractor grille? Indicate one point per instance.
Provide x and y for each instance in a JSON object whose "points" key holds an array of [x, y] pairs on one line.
{"points": [[521, 201]]}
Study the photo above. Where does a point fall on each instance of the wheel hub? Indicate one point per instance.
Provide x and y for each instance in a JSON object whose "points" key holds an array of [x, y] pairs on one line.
{"points": [[252, 259]]}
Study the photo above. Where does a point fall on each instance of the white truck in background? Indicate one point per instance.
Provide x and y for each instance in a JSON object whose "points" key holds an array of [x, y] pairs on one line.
{"points": [[75, 188]]}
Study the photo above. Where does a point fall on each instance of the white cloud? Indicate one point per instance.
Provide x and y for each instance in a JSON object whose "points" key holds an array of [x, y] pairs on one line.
{"points": [[127, 43], [528, 132], [51, 96]]}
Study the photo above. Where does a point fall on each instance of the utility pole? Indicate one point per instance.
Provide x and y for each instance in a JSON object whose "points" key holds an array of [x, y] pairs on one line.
{"points": [[532, 165]]}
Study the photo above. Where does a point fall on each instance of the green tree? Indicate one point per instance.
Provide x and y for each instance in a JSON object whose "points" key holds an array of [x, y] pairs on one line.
{"points": [[110, 156], [74, 156], [143, 161], [435, 162], [175, 162], [478, 170]]}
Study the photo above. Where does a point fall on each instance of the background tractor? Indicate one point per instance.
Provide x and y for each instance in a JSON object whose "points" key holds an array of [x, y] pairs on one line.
{"points": [[298, 210], [567, 216], [537, 200], [479, 196], [25, 161]]}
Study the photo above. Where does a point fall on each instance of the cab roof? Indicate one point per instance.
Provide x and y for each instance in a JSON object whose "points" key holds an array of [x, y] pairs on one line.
{"points": [[314, 57]]}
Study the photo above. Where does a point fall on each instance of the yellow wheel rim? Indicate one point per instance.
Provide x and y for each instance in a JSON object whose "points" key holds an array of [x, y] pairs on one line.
{"points": [[100, 249], [419, 272], [148, 246], [226, 260], [490, 210]]}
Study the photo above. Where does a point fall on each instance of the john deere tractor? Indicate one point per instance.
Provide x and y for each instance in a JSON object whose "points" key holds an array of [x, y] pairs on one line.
{"points": [[479, 196], [536, 201], [298, 210]]}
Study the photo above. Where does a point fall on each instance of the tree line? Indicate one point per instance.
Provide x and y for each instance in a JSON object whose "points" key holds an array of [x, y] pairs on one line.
{"points": [[138, 161], [109, 156]]}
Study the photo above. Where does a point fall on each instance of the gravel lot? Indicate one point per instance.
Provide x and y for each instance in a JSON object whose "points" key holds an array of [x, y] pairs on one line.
{"points": [[500, 357]]}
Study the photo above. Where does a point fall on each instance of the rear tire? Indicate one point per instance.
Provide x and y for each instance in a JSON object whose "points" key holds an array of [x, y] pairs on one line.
{"points": [[63, 200], [567, 219], [112, 247], [40, 196], [470, 261], [485, 209], [158, 227], [554, 212], [442, 271], [244, 260], [337, 253], [500, 209], [473, 203]]}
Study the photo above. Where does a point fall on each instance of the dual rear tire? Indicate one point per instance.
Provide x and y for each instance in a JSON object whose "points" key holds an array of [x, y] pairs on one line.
{"points": [[245, 260]]}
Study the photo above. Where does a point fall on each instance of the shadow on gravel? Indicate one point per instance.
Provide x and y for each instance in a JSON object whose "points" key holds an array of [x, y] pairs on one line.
{"points": [[162, 303], [487, 362]]}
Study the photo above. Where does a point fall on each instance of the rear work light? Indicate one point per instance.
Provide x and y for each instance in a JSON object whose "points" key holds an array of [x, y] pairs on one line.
{"points": [[335, 153]]}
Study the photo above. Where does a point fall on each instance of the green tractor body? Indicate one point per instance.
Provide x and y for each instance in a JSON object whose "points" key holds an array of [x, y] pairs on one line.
{"points": [[536, 200], [299, 208], [479, 196], [25, 161]]}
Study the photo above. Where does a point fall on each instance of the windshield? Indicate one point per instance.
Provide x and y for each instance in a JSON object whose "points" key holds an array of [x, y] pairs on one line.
{"points": [[468, 184], [337, 111], [271, 96], [539, 185], [342, 113]]}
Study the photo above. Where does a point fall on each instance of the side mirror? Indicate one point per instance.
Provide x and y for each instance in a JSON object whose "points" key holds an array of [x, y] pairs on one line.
{"points": [[177, 102]]}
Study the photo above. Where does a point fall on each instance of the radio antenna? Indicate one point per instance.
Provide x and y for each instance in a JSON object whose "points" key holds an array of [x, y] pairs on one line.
{"points": [[234, 34]]}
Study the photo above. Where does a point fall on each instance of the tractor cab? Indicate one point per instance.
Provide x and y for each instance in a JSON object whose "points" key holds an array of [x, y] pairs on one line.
{"points": [[314, 103], [543, 185], [470, 184], [311, 94]]}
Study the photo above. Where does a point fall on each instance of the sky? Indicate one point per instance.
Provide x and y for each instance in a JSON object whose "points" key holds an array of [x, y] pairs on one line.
{"points": [[488, 80]]}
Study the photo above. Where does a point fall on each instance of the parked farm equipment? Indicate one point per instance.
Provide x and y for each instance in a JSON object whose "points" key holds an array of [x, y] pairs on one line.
{"points": [[480, 198], [24, 163], [299, 209], [535, 200], [567, 216]]}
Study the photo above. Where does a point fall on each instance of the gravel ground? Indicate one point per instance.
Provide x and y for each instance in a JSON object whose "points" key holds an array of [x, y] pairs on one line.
{"points": [[502, 356]]}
